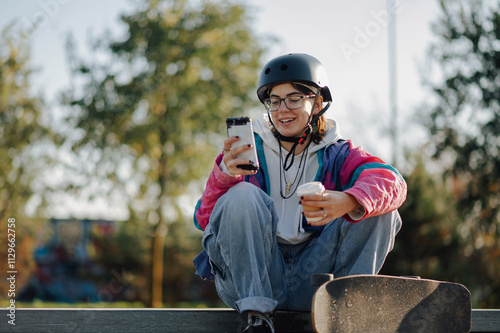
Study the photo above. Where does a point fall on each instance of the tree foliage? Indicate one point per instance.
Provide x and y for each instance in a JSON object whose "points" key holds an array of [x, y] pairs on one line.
{"points": [[24, 138], [150, 106], [429, 242], [20, 127], [464, 126]]}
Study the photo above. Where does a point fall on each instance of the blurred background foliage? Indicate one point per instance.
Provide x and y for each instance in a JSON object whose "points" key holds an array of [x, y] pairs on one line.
{"points": [[453, 221], [145, 118]]}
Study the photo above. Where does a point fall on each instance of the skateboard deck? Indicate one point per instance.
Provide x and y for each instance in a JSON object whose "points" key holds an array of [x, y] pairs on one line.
{"points": [[381, 303]]}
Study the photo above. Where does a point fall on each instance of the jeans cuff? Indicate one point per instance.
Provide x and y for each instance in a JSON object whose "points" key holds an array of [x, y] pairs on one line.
{"points": [[256, 303]]}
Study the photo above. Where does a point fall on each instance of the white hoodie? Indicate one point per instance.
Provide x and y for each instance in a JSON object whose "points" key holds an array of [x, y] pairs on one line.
{"points": [[290, 229]]}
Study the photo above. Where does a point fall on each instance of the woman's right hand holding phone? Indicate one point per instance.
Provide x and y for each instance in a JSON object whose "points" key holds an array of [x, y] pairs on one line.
{"points": [[231, 159]]}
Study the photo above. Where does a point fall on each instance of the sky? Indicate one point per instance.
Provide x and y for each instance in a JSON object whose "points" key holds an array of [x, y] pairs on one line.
{"points": [[350, 38]]}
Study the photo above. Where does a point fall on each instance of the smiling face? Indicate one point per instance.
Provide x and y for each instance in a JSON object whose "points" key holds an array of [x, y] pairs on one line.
{"points": [[292, 123]]}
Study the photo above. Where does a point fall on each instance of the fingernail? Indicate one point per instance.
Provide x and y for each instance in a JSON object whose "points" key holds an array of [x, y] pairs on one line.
{"points": [[302, 198], [237, 137], [249, 146], [300, 203]]}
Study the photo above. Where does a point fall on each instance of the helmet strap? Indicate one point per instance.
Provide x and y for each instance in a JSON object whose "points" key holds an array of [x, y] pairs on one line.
{"points": [[314, 118], [320, 113], [291, 154], [299, 140]]}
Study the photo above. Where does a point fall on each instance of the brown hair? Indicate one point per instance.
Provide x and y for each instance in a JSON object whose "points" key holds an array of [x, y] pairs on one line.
{"points": [[319, 128]]}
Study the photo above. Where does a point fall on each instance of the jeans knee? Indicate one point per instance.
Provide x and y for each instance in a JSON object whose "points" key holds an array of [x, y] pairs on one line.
{"points": [[241, 193], [245, 198], [389, 224], [398, 222], [245, 206], [390, 220]]}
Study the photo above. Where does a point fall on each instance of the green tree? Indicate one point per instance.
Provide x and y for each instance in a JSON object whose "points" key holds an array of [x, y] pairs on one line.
{"points": [[464, 126], [429, 243], [149, 115], [23, 141]]}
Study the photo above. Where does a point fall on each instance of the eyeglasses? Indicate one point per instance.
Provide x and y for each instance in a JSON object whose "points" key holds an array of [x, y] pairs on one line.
{"points": [[291, 102]]}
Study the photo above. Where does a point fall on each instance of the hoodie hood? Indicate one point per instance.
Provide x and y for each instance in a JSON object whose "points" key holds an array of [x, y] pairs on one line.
{"points": [[263, 127], [290, 229]]}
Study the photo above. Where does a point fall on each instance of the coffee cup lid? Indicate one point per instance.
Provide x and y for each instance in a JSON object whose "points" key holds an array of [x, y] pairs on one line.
{"points": [[311, 187]]}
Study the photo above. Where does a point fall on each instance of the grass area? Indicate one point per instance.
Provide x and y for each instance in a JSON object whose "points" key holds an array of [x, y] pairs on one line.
{"points": [[43, 304]]}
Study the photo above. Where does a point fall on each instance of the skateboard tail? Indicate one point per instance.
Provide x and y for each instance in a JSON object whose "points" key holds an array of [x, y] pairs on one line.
{"points": [[375, 303]]}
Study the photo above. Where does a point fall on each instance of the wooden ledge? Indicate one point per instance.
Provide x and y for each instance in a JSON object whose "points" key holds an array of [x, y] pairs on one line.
{"points": [[71, 320]]}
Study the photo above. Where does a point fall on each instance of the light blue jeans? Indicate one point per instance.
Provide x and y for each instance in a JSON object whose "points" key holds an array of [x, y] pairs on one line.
{"points": [[253, 272]]}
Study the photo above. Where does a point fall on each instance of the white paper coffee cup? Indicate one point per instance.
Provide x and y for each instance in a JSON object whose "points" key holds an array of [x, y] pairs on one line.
{"points": [[310, 188]]}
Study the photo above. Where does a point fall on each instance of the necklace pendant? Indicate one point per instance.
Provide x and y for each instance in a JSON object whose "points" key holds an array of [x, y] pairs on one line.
{"points": [[288, 187]]}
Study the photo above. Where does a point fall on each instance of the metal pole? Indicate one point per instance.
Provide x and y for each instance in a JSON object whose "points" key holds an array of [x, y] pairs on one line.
{"points": [[391, 8]]}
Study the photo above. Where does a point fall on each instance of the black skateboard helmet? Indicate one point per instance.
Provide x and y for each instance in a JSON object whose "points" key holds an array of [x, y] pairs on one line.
{"points": [[295, 67]]}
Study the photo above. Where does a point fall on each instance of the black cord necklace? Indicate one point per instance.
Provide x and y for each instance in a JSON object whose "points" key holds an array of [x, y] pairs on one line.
{"points": [[297, 179]]}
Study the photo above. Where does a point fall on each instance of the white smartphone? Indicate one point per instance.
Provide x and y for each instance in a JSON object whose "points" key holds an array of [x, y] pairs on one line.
{"points": [[242, 127]]}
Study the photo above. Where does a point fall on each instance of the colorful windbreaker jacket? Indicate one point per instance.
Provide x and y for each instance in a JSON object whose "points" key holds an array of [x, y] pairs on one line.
{"points": [[377, 186]]}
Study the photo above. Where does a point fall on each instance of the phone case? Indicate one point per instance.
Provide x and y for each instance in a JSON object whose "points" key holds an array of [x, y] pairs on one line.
{"points": [[242, 127]]}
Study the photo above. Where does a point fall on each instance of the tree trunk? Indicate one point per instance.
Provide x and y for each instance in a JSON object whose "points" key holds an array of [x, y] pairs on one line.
{"points": [[157, 282], [161, 229]]}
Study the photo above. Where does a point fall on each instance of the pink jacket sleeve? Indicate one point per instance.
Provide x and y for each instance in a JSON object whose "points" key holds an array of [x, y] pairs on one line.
{"points": [[377, 186], [217, 185]]}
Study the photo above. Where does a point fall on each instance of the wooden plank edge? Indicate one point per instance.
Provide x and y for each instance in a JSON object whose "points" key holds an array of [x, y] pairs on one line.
{"points": [[485, 320], [173, 320]]}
